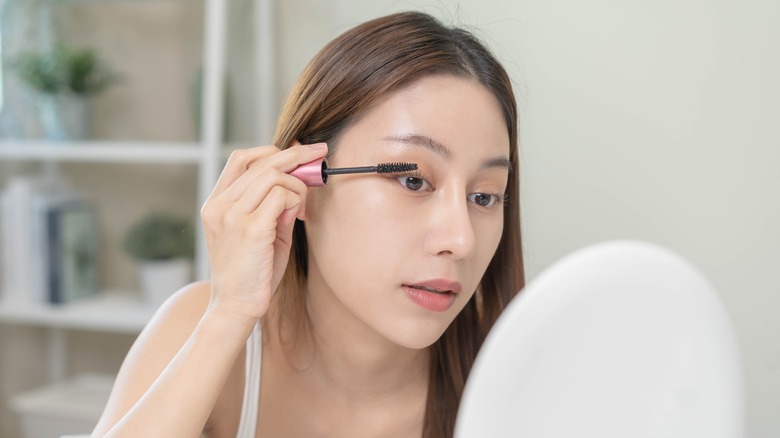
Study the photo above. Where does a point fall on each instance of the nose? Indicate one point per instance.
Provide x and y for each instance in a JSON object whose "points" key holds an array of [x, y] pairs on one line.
{"points": [[450, 230]]}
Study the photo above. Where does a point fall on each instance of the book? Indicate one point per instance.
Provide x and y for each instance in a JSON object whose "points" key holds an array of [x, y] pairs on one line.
{"points": [[73, 248], [49, 238], [17, 237], [42, 202]]}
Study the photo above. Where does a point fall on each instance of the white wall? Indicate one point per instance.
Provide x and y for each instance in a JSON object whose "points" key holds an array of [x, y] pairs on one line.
{"points": [[653, 120]]}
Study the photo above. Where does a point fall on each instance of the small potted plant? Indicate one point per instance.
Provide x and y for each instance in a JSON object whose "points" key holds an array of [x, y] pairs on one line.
{"points": [[163, 244], [65, 79]]}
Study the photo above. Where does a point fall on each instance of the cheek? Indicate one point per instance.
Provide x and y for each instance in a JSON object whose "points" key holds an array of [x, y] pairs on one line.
{"points": [[356, 230], [491, 231], [487, 232]]}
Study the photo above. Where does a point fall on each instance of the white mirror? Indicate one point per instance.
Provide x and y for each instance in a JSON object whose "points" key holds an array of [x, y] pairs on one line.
{"points": [[621, 339]]}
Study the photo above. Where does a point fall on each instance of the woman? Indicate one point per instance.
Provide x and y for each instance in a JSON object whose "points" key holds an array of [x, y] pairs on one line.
{"points": [[373, 293]]}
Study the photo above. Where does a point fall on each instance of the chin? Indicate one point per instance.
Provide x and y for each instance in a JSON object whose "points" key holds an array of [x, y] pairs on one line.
{"points": [[416, 334]]}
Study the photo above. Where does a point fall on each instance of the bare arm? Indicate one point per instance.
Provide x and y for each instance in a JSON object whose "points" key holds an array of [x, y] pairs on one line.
{"points": [[174, 373], [172, 376]]}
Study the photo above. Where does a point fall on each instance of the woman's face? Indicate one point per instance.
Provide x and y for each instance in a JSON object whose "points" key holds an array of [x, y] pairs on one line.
{"points": [[402, 254]]}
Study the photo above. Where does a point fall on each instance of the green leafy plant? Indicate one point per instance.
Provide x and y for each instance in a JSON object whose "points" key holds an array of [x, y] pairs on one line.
{"points": [[160, 236], [63, 69]]}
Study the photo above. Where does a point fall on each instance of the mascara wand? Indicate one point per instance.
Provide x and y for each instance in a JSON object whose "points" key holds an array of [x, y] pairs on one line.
{"points": [[315, 173]]}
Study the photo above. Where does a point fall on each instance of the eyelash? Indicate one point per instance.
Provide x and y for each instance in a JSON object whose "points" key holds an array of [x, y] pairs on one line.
{"points": [[498, 198]]}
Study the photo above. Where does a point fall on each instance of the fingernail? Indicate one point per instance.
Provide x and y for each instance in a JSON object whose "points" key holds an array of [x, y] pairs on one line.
{"points": [[322, 145]]}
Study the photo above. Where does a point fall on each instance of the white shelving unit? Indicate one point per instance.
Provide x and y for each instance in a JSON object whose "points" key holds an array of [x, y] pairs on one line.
{"points": [[124, 313], [103, 152], [204, 154], [109, 312]]}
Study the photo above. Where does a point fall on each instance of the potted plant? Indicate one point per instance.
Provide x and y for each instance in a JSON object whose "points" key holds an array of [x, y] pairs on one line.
{"points": [[163, 244], [65, 79]]}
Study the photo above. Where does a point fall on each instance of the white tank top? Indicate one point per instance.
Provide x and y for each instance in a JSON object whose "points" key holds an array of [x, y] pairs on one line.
{"points": [[247, 425]]}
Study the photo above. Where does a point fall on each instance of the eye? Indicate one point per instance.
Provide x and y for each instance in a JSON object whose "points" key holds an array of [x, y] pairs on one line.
{"points": [[414, 183], [485, 199]]}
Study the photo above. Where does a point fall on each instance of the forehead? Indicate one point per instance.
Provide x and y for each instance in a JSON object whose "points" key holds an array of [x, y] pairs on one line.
{"points": [[459, 113]]}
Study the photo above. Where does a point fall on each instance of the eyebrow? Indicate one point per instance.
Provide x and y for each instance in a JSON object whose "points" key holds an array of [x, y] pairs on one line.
{"points": [[439, 149]]}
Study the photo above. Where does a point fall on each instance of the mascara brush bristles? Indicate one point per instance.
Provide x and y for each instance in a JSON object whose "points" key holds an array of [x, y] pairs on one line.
{"points": [[396, 167], [380, 168]]}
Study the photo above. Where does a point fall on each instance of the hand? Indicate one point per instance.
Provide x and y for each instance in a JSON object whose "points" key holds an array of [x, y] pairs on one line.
{"points": [[248, 222]]}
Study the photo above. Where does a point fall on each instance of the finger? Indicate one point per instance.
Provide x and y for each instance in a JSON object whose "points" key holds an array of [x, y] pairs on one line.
{"points": [[289, 214], [292, 157], [285, 226], [263, 183], [285, 161], [237, 164], [273, 205]]}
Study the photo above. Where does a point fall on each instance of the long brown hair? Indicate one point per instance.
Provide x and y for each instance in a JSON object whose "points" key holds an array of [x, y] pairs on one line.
{"points": [[342, 83]]}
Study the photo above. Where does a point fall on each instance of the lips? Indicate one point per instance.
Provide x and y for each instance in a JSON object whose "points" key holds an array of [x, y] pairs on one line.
{"points": [[437, 286], [433, 295]]}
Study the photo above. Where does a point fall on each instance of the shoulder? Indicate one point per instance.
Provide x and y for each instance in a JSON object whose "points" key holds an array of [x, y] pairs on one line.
{"points": [[169, 328], [176, 319]]}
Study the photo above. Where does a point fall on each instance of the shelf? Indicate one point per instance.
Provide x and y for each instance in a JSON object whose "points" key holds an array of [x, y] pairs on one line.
{"points": [[102, 151], [107, 312], [68, 406]]}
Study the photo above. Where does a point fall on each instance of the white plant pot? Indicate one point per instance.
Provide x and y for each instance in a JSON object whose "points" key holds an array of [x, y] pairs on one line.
{"points": [[65, 116], [160, 279]]}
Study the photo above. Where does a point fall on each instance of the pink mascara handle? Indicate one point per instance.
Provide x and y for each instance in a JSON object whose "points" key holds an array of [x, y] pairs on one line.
{"points": [[310, 173]]}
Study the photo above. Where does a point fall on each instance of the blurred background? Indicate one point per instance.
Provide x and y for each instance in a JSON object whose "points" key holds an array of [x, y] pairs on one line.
{"points": [[652, 120]]}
